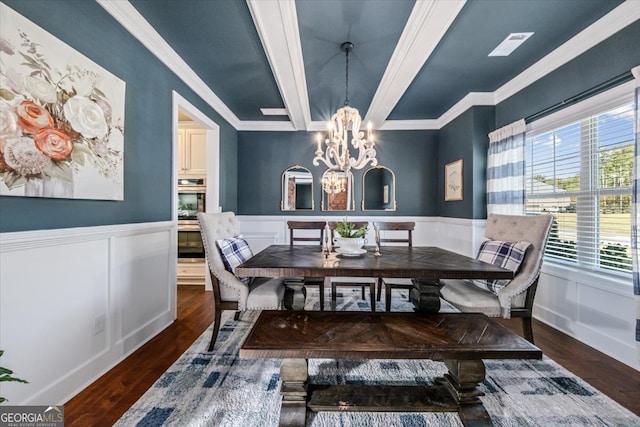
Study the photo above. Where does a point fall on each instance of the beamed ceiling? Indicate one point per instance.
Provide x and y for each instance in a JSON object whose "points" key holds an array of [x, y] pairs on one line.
{"points": [[415, 64]]}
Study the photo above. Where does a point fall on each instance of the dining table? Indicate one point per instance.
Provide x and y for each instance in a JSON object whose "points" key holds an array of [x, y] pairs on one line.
{"points": [[424, 264], [460, 340]]}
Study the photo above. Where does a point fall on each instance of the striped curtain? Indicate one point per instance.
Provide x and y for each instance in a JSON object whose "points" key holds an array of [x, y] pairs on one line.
{"points": [[635, 220], [505, 170]]}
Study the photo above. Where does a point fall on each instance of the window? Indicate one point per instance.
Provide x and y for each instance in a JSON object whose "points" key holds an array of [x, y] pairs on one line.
{"points": [[579, 168]]}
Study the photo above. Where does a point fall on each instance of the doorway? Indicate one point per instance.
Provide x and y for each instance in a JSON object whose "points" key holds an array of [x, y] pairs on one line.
{"points": [[184, 111]]}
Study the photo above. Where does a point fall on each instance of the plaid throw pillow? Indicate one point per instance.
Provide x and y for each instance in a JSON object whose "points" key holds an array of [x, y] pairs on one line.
{"points": [[235, 251], [507, 255]]}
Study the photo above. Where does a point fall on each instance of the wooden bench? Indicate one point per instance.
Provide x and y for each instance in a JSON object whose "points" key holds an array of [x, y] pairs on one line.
{"points": [[460, 340]]}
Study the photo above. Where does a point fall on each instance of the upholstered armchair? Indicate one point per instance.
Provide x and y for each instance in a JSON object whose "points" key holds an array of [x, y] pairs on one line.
{"points": [[515, 299], [231, 292]]}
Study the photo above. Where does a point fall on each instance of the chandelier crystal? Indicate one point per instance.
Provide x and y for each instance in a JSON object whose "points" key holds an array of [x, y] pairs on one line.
{"points": [[346, 120]]}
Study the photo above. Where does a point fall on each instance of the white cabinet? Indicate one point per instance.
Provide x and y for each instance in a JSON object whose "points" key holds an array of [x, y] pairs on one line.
{"points": [[192, 273], [192, 150]]}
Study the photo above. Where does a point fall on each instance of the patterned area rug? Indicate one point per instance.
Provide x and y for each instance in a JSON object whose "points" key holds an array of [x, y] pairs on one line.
{"points": [[220, 389]]}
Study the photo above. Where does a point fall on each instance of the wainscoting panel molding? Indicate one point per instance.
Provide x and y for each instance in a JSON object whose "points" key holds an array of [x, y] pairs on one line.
{"points": [[597, 309], [268, 230], [75, 302]]}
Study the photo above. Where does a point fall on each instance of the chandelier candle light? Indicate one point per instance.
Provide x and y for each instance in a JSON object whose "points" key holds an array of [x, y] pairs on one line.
{"points": [[337, 156]]}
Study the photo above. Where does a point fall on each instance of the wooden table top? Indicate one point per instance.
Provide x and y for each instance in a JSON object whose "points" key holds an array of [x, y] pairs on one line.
{"points": [[398, 335], [395, 261]]}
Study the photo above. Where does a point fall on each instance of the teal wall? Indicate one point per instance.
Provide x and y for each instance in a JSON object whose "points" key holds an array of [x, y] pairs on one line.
{"points": [[88, 28], [263, 157], [251, 163], [466, 138]]}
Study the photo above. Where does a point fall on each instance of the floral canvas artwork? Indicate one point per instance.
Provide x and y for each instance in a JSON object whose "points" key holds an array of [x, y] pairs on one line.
{"points": [[61, 118]]}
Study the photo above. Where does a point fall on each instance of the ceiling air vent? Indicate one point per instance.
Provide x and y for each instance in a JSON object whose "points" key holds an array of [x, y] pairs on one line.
{"points": [[510, 44]]}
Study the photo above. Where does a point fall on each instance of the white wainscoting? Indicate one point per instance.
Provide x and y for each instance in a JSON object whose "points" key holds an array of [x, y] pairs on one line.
{"points": [[450, 233], [593, 308], [596, 309], [75, 302]]}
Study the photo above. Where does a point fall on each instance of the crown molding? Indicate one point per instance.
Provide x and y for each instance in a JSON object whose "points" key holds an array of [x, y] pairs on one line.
{"points": [[277, 25], [472, 99], [427, 24], [620, 17], [134, 22]]}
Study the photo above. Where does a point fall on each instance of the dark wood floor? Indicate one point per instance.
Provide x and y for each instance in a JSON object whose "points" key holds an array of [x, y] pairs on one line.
{"points": [[104, 401]]}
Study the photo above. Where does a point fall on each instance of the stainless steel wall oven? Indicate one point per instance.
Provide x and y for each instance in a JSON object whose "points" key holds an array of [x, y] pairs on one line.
{"points": [[191, 200]]}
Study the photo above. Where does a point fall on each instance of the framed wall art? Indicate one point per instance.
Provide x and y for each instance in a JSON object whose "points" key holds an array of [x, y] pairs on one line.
{"points": [[453, 181], [62, 118]]}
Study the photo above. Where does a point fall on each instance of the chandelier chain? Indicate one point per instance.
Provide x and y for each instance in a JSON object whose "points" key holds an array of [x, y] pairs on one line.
{"points": [[346, 78], [336, 155]]}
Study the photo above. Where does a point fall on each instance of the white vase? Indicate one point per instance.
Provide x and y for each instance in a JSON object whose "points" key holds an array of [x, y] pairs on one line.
{"points": [[350, 244], [49, 187]]}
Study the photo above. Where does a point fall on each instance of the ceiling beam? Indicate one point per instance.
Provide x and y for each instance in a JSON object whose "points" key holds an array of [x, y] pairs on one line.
{"points": [[129, 17], [416, 44], [277, 25], [427, 24]]}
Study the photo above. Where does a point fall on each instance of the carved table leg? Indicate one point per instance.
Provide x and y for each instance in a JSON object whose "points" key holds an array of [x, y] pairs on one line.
{"points": [[462, 381], [293, 409]]}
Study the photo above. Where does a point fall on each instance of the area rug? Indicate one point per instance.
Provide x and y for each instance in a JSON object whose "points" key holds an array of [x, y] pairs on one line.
{"points": [[220, 389]]}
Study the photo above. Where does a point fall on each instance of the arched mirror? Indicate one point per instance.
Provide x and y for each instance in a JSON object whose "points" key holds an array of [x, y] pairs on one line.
{"points": [[337, 191], [379, 189], [297, 189]]}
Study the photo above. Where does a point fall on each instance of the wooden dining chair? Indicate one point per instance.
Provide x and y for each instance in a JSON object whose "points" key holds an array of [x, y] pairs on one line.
{"points": [[362, 282], [297, 233], [394, 233]]}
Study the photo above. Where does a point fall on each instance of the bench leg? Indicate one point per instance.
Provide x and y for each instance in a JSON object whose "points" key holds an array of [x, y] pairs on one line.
{"points": [[294, 376]]}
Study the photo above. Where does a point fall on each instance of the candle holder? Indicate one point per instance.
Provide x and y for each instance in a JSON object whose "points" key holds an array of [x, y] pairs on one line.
{"points": [[326, 244], [376, 251]]}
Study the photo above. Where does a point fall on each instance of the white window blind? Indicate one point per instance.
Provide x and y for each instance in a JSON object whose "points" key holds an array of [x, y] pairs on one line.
{"points": [[581, 172]]}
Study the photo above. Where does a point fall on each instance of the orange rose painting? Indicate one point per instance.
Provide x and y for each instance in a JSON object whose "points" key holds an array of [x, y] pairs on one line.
{"points": [[61, 118]]}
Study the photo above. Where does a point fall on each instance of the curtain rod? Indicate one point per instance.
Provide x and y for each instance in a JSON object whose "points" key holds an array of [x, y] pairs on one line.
{"points": [[615, 81]]}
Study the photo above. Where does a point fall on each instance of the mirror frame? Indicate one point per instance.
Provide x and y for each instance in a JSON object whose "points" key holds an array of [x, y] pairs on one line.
{"points": [[324, 202], [393, 189], [283, 190]]}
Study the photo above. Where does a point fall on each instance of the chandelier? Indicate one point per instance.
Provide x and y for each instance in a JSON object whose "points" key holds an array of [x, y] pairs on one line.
{"points": [[333, 183], [337, 155]]}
